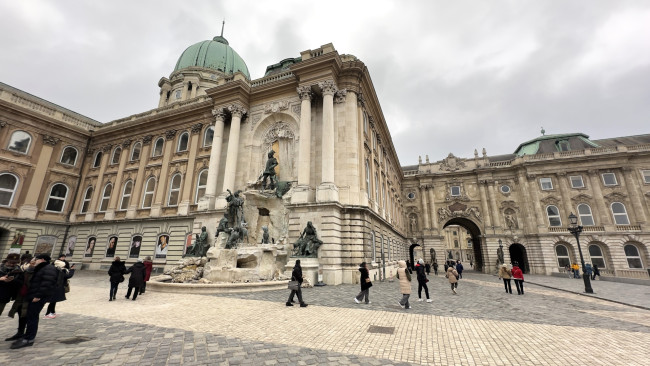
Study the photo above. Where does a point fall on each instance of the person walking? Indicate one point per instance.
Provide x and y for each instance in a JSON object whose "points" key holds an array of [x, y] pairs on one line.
{"points": [[518, 276], [116, 276], [576, 270], [136, 280], [64, 275], [435, 268], [148, 267], [366, 284], [427, 268], [296, 275], [459, 269], [20, 304], [596, 272], [404, 277], [42, 285], [422, 280], [588, 271], [506, 276], [452, 276], [11, 279]]}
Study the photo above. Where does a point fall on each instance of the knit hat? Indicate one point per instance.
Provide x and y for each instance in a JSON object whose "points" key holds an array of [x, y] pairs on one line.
{"points": [[45, 257], [140, 260], [421, 261]]}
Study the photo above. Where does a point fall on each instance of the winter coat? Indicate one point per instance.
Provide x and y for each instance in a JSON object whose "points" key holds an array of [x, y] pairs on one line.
{"points": [[459, 268], [116, 272], [43, 282], [9, 290], [452, 275], [137, 272], [296, 274], [63, 276], [365, 276], [148, 267], [504, 273], [420, 270], [404, 277], [517, 274]]}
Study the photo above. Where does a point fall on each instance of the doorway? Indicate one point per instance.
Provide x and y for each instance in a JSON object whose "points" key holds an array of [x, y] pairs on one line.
{"points": [[475, 241], [518, 254]]}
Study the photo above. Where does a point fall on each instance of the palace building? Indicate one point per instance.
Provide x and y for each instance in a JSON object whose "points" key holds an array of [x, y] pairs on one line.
{"points": [[145, 184]]}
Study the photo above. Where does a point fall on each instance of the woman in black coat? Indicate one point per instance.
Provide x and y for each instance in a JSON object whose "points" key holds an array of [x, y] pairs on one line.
{"points": [[422, 280], [136, 280], [296, 275], [58, 295], [365, 284], [11, 280], [116, 273]]}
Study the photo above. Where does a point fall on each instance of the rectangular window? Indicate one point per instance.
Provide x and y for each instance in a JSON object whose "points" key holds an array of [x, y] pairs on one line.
{"points": [[609, 179], [546, 184], [646, 176], [576, 181], [455, 191]]}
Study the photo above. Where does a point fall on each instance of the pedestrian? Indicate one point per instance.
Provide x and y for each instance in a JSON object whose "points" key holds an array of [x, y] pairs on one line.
{"points": [[422, 280], [20, 304], [11, 279], [506, 276], [148, 267], [588, 270], [568, 270], [408, 266], [136, 280], [62, 258], [366, 284], [404, 277], [116, 276], [576, 270], [446, 266], [596, 272], [42, 285], [459, 269], [518, 276], [452, 276], [435, 268], [427, 267], [296, 275], [62, 286]]}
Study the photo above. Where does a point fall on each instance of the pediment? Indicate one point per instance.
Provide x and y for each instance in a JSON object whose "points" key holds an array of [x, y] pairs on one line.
{"points": [[582, 197], [550, 200], [615, 196]]}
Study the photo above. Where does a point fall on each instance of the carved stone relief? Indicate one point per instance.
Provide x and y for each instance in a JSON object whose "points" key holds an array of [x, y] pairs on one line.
{"points": [[451, 163], [274, 107]]}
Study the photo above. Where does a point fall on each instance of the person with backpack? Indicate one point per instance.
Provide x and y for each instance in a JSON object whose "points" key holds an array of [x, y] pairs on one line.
{"points": [[422, 280], [404, 277], [116, 276], [506, 275], [452, 276], [136, 281], [62, 286]]}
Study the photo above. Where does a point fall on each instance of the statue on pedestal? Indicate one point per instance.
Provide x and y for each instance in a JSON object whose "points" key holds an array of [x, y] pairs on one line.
{"points": [[269, 171], [235, 208], [233, 239], [223, 225], [265, 235], [200, 247], [308, 243], [432, 252]]}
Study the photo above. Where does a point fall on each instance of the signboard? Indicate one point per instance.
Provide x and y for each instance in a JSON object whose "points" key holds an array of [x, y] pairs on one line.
{"points": [[162, 246], [69, 249], [90, 246], [112, 245], [136, 243], [17, 242], [45, 245]]}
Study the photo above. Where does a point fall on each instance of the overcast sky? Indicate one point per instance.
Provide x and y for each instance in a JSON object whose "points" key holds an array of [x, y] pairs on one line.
{"points": [[451, 76]]}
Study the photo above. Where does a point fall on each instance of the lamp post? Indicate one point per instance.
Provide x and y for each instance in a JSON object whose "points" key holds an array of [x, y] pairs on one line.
{"points": [[576, 229]]}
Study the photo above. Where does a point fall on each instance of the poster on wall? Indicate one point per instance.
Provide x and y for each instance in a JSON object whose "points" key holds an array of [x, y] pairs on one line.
{"points": [[45, 245], [162, 246], [112, 245], [90, 246], [17, 241], [188, 243], [136, 242], [69, 249]]}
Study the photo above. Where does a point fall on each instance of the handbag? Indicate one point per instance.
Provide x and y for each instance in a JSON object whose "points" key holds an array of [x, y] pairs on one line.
{"points": [[121, 279], [293, 285], [367, 280], [66, 286]]}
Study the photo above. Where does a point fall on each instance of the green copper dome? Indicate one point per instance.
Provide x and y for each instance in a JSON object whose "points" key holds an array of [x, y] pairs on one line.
{"points": [[215, 54]]}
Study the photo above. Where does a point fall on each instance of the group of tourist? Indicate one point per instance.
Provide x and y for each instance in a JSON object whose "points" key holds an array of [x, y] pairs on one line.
{"points": [[574, 270], [516, 274], [31, 282], [140, 274]]}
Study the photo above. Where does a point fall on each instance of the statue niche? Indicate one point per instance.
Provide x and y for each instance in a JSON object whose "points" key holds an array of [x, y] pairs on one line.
{"points": [[282, 140]]}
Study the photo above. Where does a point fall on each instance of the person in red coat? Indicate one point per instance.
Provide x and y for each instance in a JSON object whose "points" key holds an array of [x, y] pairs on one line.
{"points": [[148, 267], [518, 276]]}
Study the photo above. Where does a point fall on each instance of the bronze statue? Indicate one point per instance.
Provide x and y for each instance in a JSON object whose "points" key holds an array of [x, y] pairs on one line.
{"points": [[500, 255], [432, 252], [223, 225], [200, 247], [269, 171], [308, 243], [235, 207], [265, 235], [233, 238]]}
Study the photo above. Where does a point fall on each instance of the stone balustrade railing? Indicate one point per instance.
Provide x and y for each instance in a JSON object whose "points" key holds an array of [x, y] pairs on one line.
{"points": [[272, 78]]}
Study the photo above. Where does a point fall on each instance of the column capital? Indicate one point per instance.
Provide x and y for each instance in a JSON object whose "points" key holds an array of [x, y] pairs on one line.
{"points": [[237, 110], [304, 92], [339, 96], [219, 114], [3, 124], [196, 128], [50, 140], [126, 143], [170, 134], [146, 140], [328, 87], [107, 147], [361, 101]]}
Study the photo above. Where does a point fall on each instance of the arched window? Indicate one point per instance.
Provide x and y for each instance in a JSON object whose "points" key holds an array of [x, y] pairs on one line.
{"points": [[20, 142], [135, 151], [149, 189], [69, 156], [174, 190], [201, 183], [367, 178], [158, 147], [116, 156], [126, 195], [596, 255], [8, 185], [98, 160], [553, 216], [620, 214], [106, 197], [586, 218], [182, 142], [374, 246], [562, 254], [208, 136], [88, 196], [633, 257], [56, 200]]}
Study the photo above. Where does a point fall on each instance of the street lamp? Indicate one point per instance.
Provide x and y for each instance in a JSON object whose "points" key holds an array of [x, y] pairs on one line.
{"points": [[576, 229]]}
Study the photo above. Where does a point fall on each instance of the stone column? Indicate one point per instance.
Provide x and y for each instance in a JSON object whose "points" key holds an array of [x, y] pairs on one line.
{"points": [[541, 216], [99, 186], [434, 213], [163, 95], [186, 199], [237, 112], [603, 211], [566, 196], [163, 180], [528, 222], [207, 202], [484, 203], [627, 180], [425, 208], [140, 180], [117, 188], [29, 208], [195, 88], [327, 190], [496, 221], [301, 192]]}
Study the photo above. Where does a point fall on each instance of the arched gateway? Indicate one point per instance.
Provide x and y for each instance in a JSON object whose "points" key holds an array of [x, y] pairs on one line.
{"points": [[475, 233], [518, 254]]}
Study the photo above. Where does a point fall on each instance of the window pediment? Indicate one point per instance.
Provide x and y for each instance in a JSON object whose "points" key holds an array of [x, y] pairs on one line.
{"points": [[550, 200]]}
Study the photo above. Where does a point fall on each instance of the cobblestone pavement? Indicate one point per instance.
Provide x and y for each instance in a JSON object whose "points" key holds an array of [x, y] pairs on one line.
{"points": [[480, 325]]}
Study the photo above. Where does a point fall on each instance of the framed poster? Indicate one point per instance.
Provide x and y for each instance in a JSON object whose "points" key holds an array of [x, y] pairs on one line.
{"points": [[112, 245], [17, 242], [162, 246], [90, 246], [69, 249], [188, 243], [45, 245], [136, 242]]}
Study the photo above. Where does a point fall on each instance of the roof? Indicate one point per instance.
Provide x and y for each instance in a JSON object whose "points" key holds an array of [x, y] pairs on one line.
{"points": [[625, 140], [532, 147], [215, 54]]}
